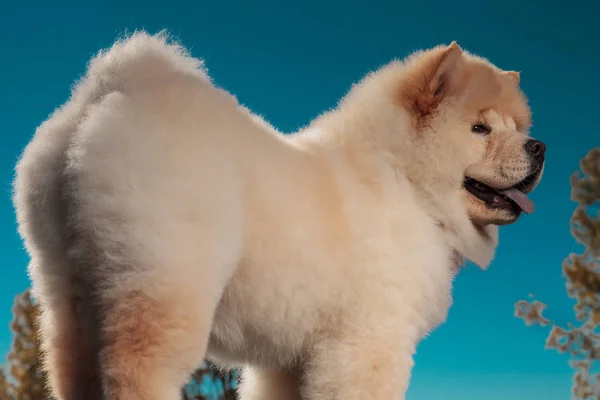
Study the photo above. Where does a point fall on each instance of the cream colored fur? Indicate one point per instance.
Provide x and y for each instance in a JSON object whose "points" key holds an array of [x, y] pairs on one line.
{"points": [[165, 222]]}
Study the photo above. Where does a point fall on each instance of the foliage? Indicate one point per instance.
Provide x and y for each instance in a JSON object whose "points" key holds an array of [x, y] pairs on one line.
{"points": [[24, 380], [209, 383], [582, 273], [6, 389]]}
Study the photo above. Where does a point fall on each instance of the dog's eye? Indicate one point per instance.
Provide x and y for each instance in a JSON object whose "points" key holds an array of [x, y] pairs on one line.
{"points": [[482, 129]]}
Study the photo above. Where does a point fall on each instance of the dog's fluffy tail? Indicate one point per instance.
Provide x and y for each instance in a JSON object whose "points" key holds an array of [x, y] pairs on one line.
{"points": [[67, 329], [135, 62]]}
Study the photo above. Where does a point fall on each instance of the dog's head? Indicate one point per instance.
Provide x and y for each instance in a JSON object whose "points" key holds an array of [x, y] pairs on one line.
{"points": [[455, 128], [470, 122]]}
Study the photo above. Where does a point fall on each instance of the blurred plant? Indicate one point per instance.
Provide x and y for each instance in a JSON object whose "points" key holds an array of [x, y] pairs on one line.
{"points": [[210, 383], [6, 388], [24, 369], [582, 273]]}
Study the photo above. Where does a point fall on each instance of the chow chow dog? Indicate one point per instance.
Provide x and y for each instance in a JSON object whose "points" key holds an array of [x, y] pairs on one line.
{"points": [[167, 223]]}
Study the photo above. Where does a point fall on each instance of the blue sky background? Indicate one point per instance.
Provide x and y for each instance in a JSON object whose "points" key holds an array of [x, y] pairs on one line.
{"points": [[290, 61]]}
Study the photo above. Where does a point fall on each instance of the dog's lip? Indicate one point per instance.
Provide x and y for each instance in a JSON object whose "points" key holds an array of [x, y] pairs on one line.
{"points": [[525, 185], [513, 198]]}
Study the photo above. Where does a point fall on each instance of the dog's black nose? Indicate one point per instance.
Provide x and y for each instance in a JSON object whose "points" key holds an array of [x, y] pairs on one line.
{"points": [[536, 149]]}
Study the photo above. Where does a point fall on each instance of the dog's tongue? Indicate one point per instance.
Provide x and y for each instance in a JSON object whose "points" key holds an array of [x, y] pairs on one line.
{"points": [[519, 198]]}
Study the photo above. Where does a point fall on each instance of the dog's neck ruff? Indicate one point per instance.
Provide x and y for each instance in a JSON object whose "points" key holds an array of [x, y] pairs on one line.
{"points": [[457, 262]]}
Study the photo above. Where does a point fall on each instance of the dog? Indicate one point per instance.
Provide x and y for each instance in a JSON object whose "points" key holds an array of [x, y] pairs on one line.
{"points": [[167, 223]]}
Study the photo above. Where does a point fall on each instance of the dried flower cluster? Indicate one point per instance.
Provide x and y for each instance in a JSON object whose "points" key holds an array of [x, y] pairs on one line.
{"points": [[582, 272]]}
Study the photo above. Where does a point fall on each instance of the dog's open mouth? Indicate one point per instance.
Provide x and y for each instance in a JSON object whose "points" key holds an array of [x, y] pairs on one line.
{"points": [[512, 199]]}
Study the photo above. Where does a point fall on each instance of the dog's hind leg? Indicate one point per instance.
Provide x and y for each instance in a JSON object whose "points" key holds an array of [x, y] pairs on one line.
{"points": [[154, 336], [157, 298], [68, 344]]}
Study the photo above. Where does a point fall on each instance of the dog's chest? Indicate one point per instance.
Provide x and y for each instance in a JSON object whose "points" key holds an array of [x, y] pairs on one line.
{"points": [[431, 292]]}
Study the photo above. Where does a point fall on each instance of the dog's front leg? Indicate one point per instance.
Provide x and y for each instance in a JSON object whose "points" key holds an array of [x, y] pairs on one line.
{"points": [[374, 364]]}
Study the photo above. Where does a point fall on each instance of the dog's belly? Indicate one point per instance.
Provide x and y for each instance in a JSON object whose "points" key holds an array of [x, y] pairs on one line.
{"points": [[269, 312], [246, 331], [251, 348]]}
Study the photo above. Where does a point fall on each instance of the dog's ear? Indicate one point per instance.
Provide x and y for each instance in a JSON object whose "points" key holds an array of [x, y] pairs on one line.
{"points": [[431, 77], [514, 76], [447, 70]]}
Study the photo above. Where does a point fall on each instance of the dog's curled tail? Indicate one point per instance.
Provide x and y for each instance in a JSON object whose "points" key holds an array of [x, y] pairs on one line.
{"points": [[137, 61]]}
